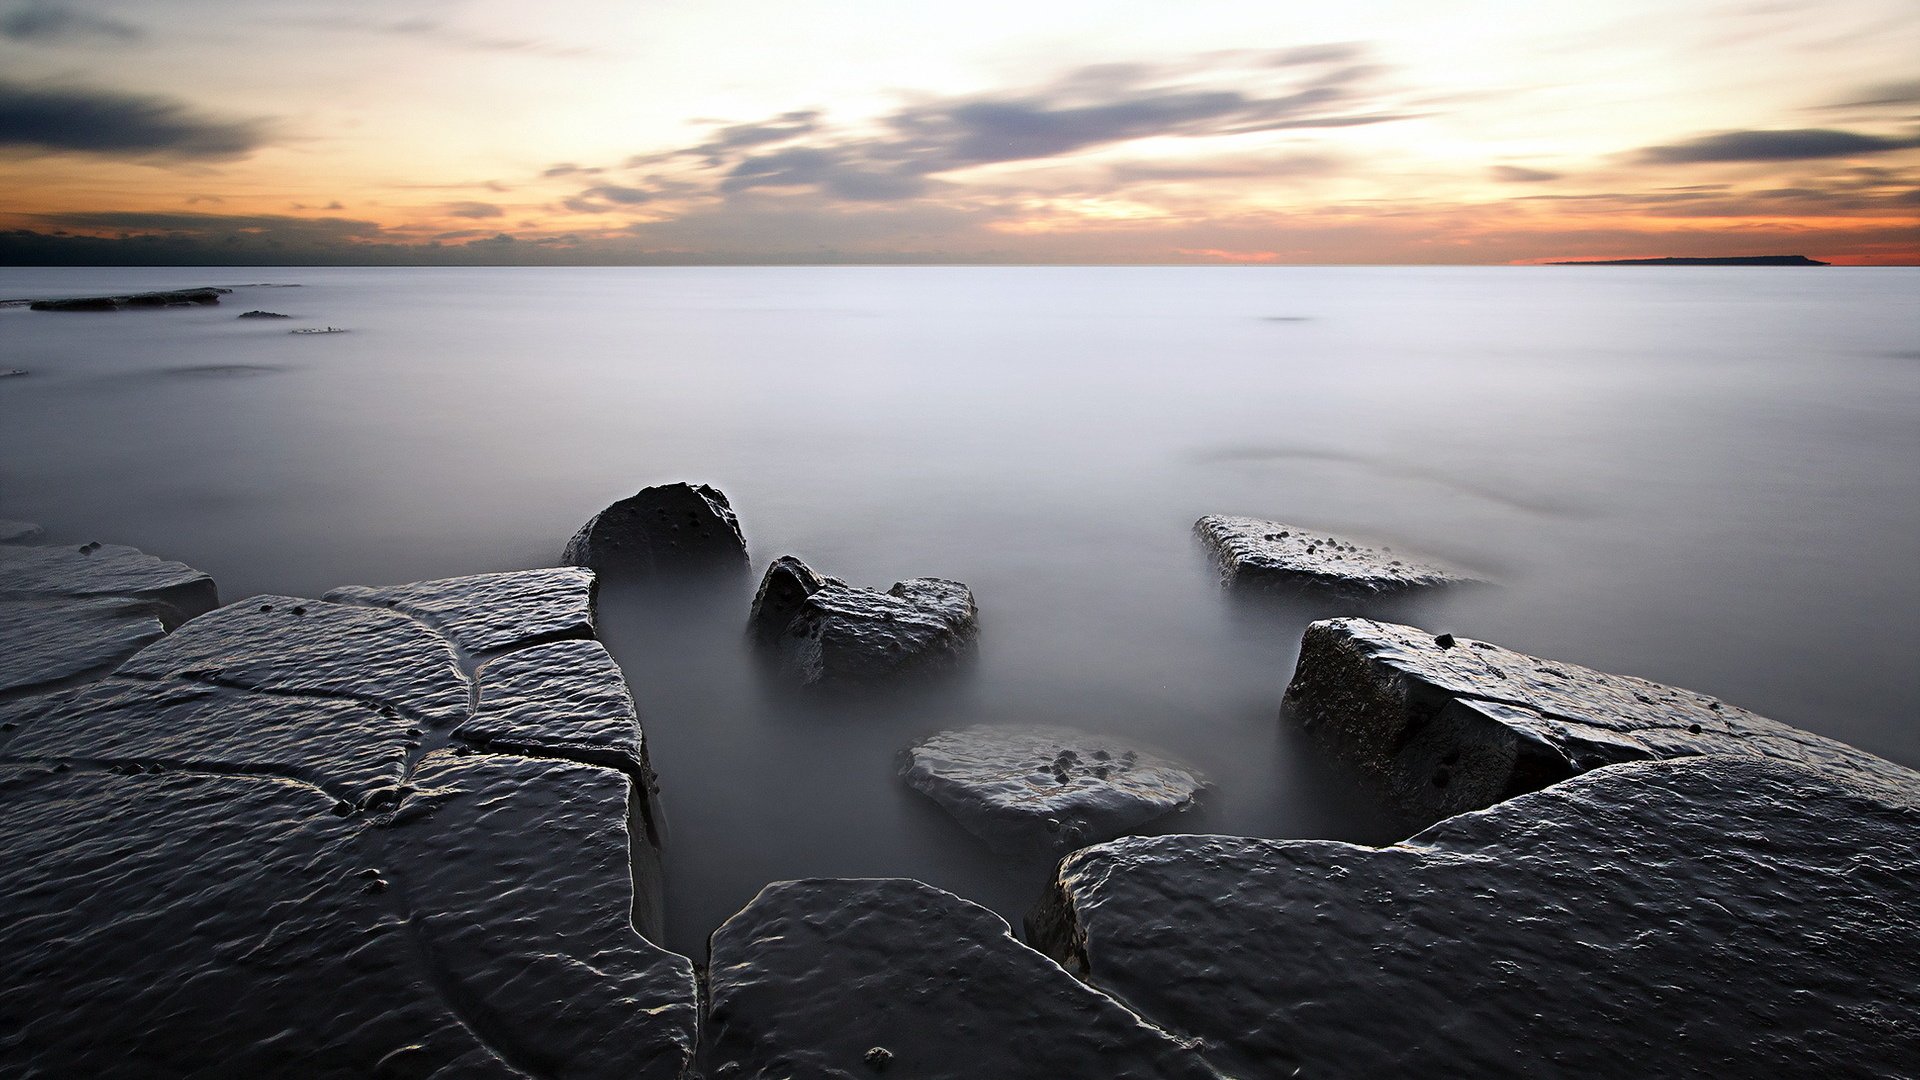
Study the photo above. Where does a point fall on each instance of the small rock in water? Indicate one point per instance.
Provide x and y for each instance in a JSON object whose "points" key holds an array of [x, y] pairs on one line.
{"points": [[1039, 788], [663, 530], [877, 1057], [824, 630], [1253, 554], [12, 371], [260, 315]]}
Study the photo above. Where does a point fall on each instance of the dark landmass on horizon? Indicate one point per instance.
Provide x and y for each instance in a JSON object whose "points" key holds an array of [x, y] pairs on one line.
{"points": [[1717, 260]]}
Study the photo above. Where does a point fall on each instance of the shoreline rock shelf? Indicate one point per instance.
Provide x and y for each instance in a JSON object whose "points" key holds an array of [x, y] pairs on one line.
{"points": [[1253, 554], [200, 297], [822, 630]]}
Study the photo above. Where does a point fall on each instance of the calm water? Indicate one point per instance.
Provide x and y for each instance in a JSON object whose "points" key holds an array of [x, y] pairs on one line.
{"points": [[1709, 477]]}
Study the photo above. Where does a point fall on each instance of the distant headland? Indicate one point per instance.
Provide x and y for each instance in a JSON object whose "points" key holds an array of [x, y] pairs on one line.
{"points": [[1718, 260]]}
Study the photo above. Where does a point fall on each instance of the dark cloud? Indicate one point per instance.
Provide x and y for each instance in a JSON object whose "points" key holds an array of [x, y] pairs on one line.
{"points": [[1800, 144], [786, 126], [1515, 174], [44, 21], [125, 125], [474, 210], [568, 168], [617, 193], [212, 225]]}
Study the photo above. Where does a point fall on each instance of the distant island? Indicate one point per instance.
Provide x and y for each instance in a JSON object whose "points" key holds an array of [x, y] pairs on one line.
{"points": [[1718, 260]]}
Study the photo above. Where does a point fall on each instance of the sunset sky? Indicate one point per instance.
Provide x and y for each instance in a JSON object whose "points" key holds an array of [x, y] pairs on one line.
{"points": [[644, 131]]}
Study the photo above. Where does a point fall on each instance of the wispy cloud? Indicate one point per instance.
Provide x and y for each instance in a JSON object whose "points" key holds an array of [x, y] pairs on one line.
{"points": [[1798, 144], [1515, 174], [43, 21], [474, 210], [80, 119]]}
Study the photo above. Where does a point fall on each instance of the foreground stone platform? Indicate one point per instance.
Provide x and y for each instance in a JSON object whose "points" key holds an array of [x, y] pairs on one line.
{"points": [[1701, 917], [1443, 725], [406, 836], [1255, 555]]}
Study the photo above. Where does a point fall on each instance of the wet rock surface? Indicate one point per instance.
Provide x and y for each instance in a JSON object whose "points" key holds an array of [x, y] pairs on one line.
{"points": [[72, 612], [271, 844], [1257, 555], [1445, 724], [839, 633], [856, 978], [1706, 916], [490, 612], [669, 529], [169, 298], [1035, 788]]}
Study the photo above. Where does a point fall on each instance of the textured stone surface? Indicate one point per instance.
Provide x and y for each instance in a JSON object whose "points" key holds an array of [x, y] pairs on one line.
{"points": [[1026, 788], [181, 924], [1443, 728], [170, 298], [565, 699], [490, 612], [176, 591], [1255, 554], [49, 642], [1702, 917], [813, 976], [669, 529], [838, 632], [19, 532]]}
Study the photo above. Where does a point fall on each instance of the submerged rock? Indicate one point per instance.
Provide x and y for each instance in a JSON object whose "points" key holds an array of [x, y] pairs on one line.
{"points": [[669, 529], [1446, 724], [823, 630], [1708, 916], [814, 977], [172, 298], [1255, 554], [1021, 789]]}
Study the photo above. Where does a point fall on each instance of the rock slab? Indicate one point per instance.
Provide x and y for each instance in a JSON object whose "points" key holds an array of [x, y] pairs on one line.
{"points": [[170, 298], [1255, 555], [664, 530], [1037, 788], [1700, 917], [822, 630], [855, 978]]}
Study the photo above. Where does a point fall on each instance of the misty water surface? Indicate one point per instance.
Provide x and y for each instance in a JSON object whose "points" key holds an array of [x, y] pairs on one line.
{"points": [[1704, 476]]}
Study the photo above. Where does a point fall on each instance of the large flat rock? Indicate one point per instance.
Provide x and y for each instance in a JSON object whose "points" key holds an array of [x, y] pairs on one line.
{"points": [[1033, 788], [176, 591], [1444, 724], [486, 613], [857, 978], [661, 531], [1253, 554], [135, 301], [1701, 917], [820, 629]]}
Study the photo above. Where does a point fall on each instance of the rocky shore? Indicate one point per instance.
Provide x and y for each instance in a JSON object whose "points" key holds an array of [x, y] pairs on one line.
{"points": [[413, 830]]}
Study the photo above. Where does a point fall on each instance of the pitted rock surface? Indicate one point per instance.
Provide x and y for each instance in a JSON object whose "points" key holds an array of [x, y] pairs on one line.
{"points": [[1027, 788], [287, 645], [1253, 554], [1457, 726], [664, 530], [814, 975], [1701, 917], [486, 613], [840, 633], [176, 591], [565, 699]]}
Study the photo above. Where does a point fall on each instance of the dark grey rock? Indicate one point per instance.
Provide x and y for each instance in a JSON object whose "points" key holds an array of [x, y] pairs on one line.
{"points": [[1027, 788], [488, 612], [813, 976], [1253, 554], [50, 642], [1702, 917], [19, 532], [670, 529], [565, 699], [4, 372], [177, 592], [1448, 728], [840, 633], [180, 923], [256, 314], [172, 298]]}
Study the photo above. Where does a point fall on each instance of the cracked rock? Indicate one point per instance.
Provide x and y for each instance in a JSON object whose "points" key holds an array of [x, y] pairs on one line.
{"points": [[821, 629], [665, 530], [1027, 788], [813, 976], [485, 613], [1448, 728], [1704, 916], [1262, 555]]}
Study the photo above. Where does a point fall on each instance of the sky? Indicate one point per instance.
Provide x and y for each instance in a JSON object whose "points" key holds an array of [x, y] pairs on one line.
{"points": [[874, 131]]}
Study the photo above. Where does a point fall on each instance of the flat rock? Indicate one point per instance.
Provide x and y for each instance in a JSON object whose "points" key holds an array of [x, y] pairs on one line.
{"points": [[565, 699], [1444, 724], [172, 923], [1700, 917], [50, 642], [1027, 788], [176, 591], [486, 613], [669, 529], [841, 633], [170, 298], [19, 532], [1254, 554], [857, 978]]}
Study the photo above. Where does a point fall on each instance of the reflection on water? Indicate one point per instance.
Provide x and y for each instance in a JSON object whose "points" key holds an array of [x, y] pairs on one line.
{"points": [[1704, 476]]}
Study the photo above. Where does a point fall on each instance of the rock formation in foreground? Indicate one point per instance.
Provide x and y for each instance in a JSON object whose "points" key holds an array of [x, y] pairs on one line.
{"points": [[1023, 789], [851, 979], [664, 530], [822, 630], [170, 298], [1256, 555], [1700, 917], [403, 836], [1444, 724]]}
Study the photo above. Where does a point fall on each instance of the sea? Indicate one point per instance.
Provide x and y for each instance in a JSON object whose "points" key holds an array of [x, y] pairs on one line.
{"points": [[1707, 476]]}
